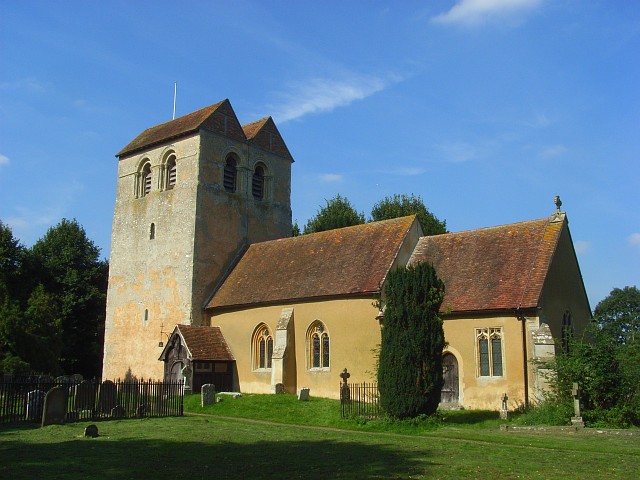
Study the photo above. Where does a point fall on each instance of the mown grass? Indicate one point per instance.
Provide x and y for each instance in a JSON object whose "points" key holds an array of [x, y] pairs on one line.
{"points": [[196, 447], [280, 437]]}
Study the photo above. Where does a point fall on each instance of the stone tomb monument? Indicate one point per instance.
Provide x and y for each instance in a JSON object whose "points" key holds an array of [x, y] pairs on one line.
{"points": [[208, 394], [303, 394], [107, 397], [55, 406], [84, 396]]}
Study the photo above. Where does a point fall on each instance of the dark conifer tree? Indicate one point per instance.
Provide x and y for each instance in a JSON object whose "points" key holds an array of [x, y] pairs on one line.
{"points": [[410, 370]]}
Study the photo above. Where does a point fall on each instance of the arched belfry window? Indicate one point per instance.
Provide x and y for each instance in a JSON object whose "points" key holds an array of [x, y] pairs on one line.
{"points": [[230, 174], [170, 172], [145, 180], [318, 346], [257, 182], [262, 348]]}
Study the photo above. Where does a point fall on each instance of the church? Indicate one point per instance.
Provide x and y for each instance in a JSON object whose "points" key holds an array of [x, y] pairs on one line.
{"points": [[204, 274]]}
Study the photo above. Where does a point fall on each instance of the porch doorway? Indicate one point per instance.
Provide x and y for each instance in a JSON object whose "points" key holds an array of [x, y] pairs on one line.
{"points": [[450, 393]]}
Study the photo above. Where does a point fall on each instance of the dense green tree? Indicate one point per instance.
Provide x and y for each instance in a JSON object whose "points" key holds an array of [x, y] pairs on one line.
{"points": [[410, 362], [605, 362], [618, 315], [76, 280], [403, 205], [295, 229], [337, 213]]}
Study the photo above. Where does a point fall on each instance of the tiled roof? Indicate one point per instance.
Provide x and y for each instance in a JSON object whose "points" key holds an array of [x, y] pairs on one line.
{"points": [[205, 343], [265, 135], [345, 261], [170, 130], [493, 268]]}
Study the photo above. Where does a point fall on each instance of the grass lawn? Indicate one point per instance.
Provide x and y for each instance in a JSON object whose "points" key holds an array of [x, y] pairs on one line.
{"points": [[214, 446]]}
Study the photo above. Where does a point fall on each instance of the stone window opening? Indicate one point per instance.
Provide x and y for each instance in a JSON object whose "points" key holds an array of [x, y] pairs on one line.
{"points": [[171, 172], [258, 183], [152, 231], [145, 180], [230, 174], [489, 351], [567, 331], [262, 347], [318, 343]]}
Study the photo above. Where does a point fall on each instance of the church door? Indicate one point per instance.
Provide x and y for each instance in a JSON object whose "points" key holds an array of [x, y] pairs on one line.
{"points": [[449, 393]]}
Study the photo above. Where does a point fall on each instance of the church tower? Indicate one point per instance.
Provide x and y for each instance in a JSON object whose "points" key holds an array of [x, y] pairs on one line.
{"points": [[191, 194]]}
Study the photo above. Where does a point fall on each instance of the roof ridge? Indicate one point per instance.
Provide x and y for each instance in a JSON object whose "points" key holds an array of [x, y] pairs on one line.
{"points": [[488, 228]]}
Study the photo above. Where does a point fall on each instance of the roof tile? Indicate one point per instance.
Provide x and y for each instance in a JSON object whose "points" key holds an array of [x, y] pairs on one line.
{"points": [[205, 343]]}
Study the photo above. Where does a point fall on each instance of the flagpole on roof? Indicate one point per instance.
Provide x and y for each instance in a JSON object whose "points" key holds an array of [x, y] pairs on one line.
{"points": [[175, 91]]}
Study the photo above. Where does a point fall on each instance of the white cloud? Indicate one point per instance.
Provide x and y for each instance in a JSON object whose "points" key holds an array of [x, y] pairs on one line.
{"points": [[553, 151], [320, 95], [331, 178], [475, 12], [31, 84], [582, 246], [459, 152], [634, 240], [4, 160]]}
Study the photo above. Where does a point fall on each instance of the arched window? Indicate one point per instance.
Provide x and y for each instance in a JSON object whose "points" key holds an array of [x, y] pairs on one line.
{"points": [[318, 346], [489, 348], [145, 180], [170, 172], [257, 183], [230, 174], [567, 331], [262, 347]]}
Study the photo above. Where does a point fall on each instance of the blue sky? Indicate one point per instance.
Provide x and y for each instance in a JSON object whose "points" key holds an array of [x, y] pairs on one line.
{"points": [[485, 108]]}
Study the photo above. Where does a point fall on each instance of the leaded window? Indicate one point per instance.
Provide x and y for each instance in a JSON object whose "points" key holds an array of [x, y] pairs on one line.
{"points": [[489, 348], [262, 348], [319, 346]]}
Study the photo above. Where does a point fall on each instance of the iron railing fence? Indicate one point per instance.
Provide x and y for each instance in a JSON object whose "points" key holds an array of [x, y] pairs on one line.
{"points": [[360, 400], [22, 399]]}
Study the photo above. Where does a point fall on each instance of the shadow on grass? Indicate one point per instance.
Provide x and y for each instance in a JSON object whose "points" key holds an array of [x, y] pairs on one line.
{"points": [[153, 458], [470, 417]]}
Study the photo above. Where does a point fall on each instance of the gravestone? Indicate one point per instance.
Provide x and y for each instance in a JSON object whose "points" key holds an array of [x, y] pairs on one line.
{"points": [[91, 431], [576, 420], [345, 392], [142, 410], [303, 394], [55, 406], [279, 388], [107, 397], [118, 412], [84, 396], [187, 371], [35, 404], [504, 410], [208, 394]]}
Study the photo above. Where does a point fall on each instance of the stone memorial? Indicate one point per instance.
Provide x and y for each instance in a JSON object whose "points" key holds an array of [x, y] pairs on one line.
{"points": [[576, 420], [303, 394], [107, 397], [187, 371], [35, 404], [208, 394], [118, 412], [55, 406], [84, 396], [278, 388], [345, 392], [91, 431], [504, 409]]}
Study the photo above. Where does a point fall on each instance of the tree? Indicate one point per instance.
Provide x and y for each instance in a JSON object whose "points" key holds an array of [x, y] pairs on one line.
{"points": [[403, 205], [410, 365], [618, 315], [75, 279], [337, 213]]}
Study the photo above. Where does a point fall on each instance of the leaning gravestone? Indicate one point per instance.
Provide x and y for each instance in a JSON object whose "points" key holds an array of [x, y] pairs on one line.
{"points": [[35, 404], [107, 397], [208, 393], [55, 406], [118, 412], [303, 394]]}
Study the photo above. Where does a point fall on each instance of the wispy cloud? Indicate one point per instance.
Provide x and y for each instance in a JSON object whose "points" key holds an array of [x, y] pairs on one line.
{"points": [[476, 12], [319, 95], [30, 84], [459, 152], [3, 160], [582, 246], [553, 151], [331, 178], [634, 240]]}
